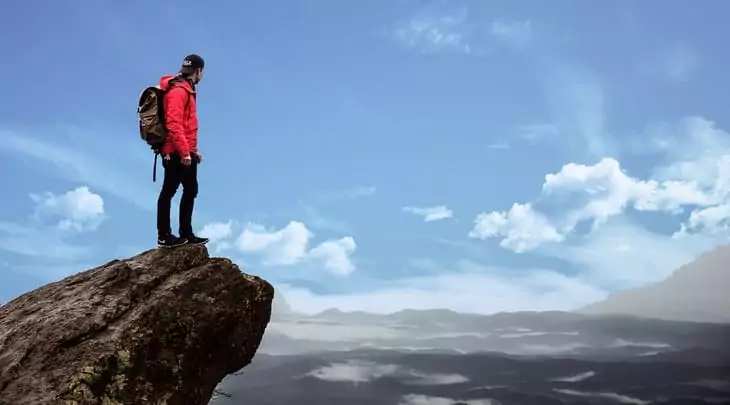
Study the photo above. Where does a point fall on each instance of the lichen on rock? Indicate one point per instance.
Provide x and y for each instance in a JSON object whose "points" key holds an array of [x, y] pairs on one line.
{"points": [[162, 327]]}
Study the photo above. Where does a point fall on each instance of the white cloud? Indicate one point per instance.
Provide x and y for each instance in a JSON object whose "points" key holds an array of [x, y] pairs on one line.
{"points": [[47, 236], [593, 193], [498, 145], [622, 399], [78, 209], [696, 151], [522, 227], [711, 220], [576, 377], [335, 255], [430, 214], [462, 289], [416, 399], [359, 371], [433, 32], [289, 246], [286, 246], [438, 379], [218, 233], [453, 29], [604, 189], [354, 371]]}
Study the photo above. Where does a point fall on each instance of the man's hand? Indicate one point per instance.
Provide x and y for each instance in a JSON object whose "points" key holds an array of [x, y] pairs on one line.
{"points": [[186, 161], [199, 155]]}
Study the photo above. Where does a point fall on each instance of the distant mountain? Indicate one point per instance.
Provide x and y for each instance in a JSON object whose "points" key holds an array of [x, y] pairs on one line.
{"points": [[280, 307], [696, 292], [520, 333]]}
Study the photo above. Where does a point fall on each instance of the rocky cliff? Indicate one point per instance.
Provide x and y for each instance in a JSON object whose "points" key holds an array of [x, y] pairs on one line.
{"points": [[162, 327]]}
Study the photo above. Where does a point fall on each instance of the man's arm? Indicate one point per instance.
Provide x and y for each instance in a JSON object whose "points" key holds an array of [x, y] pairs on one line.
{"points": [[175, 101]]}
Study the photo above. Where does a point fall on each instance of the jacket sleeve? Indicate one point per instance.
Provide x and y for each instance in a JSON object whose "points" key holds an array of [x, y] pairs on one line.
{"points": [[175, 101]]}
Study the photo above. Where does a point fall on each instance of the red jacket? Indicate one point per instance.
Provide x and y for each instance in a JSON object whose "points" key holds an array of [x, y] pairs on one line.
{"points": [[181, 117]]}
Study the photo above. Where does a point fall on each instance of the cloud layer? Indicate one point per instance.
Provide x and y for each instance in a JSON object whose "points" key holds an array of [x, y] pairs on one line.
{"points": [[78, 209], [50, 231], [287, 246], [465, 286], [430, 214], [360, 371], [696, 178], [434, 29]]}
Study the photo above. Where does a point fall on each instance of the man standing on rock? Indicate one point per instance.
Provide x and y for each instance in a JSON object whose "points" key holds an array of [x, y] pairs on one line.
{"points": [[180, 154]]}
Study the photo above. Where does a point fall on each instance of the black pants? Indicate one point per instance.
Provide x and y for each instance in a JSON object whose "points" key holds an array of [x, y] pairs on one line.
{"points": [[175, 175]]}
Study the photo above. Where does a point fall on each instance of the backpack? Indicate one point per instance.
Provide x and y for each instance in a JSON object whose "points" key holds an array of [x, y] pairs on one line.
{"points": [[151, 115]]}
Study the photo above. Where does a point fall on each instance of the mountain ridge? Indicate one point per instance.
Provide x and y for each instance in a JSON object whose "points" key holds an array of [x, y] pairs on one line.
{"points": [[694, 292], [691, 293]]}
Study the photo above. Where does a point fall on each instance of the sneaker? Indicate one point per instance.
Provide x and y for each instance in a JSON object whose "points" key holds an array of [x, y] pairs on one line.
{"points": [[196, 240], [170, 241]]}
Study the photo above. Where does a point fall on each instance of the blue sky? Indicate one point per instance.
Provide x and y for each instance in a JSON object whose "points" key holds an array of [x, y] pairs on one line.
{"points": [[474, 155]]}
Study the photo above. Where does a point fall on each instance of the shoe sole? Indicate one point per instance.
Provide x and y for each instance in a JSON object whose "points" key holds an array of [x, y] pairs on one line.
{"points": [[199, 243], [171, 246]]}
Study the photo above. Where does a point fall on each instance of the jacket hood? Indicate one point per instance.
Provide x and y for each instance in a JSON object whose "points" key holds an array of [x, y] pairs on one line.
{"points": [[165, 83]]}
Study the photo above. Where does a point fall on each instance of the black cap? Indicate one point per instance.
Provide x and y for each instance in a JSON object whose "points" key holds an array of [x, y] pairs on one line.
{"points": [[192, 62]]}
